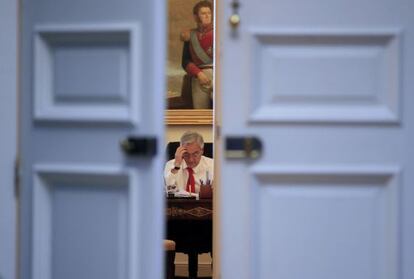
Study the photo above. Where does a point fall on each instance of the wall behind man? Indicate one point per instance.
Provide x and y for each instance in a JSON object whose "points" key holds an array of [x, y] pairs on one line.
{"points": [[174, 132]]}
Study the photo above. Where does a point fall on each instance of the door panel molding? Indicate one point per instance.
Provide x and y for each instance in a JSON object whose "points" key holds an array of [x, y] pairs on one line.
{"points": [[102, 202], [358, 204], [87, 73], [325, 75]]}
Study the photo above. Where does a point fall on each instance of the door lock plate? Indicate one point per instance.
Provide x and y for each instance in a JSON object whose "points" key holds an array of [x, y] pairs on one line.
{"points": [[243, 147], [139, 146]]}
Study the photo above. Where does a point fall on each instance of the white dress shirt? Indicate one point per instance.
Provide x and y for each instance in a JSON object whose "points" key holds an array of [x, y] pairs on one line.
{"points": [[202, 172]]}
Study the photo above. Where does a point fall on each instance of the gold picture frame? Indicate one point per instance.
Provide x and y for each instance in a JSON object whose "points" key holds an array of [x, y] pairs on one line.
{"points": [[189, 117]]}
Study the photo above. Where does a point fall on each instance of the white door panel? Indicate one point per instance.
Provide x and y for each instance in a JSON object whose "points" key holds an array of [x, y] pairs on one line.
{"points": [[88, 209], [324, 75], [331, 222], [104, 203], [100, 50], [326, 87]]}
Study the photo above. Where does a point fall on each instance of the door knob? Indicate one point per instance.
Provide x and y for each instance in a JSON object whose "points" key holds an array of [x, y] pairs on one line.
{"points": [[243, 148], [235, 17], [234, 20], [139, 146]]}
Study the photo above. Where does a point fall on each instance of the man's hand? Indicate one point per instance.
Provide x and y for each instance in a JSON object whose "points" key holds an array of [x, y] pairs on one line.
{"points": [[179, 153], [204, 80], [185, 36]]}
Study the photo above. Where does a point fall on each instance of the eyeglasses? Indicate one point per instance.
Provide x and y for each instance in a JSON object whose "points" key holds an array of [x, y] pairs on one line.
{"points": [[193, 155]]}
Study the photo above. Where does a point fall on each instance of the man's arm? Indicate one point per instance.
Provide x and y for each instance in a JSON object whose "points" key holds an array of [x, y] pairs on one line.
{"points": [[170, 177], [173, 168], [187, 63], [186, 56]]}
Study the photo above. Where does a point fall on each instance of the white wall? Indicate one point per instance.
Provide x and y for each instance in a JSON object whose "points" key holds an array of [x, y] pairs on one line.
{"points": [[174, 132], [8, 96]]}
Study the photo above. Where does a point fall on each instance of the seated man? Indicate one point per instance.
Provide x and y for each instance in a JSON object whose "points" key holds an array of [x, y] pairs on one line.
{"points": [[189, 170]]}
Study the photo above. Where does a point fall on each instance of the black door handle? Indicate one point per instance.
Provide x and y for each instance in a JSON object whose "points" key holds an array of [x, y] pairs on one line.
{"points": [[139, 146], [243, 147]]}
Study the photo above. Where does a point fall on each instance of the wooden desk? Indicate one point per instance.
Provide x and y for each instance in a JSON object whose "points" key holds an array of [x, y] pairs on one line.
{"points": [[189, 224]]}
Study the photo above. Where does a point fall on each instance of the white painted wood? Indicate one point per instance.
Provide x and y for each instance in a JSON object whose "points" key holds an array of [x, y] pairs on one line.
{"points": [[8, 138], [327, 87], [48, 179], [357, 79], [359, 205], [81, 195], [49, 37]]}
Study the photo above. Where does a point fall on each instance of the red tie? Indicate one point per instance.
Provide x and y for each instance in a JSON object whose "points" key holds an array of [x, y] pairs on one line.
{"points": [[191, 181]]}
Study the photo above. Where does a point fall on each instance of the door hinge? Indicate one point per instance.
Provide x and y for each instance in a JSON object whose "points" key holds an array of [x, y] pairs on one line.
{"points": [[139, 146], [17, 177]]}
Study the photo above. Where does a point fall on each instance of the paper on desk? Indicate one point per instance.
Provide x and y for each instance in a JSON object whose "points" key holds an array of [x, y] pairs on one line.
{"points": [[185, 194]]}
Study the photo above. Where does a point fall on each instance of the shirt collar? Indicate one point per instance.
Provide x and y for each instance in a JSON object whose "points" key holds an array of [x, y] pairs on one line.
{"points": [[196, 168]]}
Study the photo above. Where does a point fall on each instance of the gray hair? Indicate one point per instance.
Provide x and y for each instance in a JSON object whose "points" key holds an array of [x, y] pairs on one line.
{"points": [[190, 137]]}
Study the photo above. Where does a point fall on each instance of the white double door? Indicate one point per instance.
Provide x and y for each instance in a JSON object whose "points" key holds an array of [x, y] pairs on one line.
{"points": [[324, 85]]}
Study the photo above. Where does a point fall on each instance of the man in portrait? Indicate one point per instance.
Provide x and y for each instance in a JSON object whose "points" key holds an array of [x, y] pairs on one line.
{"points": [[197, 56]]}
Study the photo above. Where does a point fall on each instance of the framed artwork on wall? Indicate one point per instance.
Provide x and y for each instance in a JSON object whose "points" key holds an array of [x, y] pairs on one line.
{"points": [[190, 62]]}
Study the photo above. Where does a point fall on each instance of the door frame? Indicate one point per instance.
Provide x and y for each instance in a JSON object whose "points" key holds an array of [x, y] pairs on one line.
{"points": [[8, 145]]}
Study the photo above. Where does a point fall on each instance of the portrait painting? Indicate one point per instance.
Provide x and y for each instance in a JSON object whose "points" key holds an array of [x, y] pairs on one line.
{"points": [[190, 91]]}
